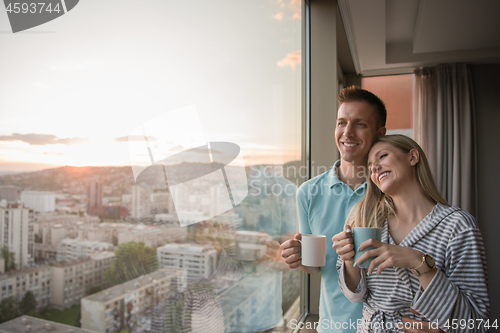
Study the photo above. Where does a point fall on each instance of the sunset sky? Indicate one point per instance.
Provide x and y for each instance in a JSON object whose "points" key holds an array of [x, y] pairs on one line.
{"points": [[73, 89]]}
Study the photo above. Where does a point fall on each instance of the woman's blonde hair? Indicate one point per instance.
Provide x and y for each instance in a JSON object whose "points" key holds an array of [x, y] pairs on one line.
{"points": [[376, 206]]}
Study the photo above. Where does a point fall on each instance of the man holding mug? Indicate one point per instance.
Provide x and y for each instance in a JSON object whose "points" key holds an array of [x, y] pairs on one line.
{"points": [[325, 201]]}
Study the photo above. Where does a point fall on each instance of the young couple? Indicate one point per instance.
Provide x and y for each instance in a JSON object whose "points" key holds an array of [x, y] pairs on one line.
{"points": [[428, 271]]}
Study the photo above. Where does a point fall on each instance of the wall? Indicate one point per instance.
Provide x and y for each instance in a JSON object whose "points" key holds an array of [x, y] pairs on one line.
{"points": [[487, 101]]}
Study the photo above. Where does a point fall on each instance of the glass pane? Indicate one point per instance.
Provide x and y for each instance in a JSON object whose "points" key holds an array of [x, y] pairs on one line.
{"points": [[166, 140], [396, 91]]}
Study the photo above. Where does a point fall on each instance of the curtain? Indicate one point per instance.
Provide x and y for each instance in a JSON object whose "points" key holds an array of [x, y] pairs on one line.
{"points": [[444, 126]]}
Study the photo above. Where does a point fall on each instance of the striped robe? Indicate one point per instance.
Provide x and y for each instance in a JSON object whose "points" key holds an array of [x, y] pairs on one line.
{"points": [[459, 290]]}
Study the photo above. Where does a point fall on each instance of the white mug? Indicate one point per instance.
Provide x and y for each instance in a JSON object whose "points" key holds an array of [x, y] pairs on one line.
{"points": [[313, 250]]}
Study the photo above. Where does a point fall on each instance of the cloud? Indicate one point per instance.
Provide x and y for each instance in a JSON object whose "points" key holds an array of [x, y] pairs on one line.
{"points": [[279, 16], [295, 6], [41, 139], [292, 59]]}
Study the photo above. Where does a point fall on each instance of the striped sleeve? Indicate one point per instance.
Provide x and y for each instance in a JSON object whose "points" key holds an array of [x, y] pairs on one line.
{"points": [[360, 293], [461, 293]]}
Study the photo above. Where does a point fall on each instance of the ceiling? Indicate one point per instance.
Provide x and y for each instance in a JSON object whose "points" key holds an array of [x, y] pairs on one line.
{"points": [[397, 36]]}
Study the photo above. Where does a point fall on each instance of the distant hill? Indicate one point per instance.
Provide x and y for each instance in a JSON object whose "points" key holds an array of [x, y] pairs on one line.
{"points": [[70, 179], [116, 180]]}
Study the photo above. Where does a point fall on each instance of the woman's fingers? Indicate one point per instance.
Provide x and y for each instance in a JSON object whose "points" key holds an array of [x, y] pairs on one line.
{"points": [[370, 242], [346, 252], [343, 244]]}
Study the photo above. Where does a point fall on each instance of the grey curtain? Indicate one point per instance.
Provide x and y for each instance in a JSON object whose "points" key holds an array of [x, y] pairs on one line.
{"points": [[444, 125]]}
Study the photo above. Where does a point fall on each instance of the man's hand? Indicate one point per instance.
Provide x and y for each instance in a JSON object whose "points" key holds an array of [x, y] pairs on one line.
{"points": [[290, 251]]}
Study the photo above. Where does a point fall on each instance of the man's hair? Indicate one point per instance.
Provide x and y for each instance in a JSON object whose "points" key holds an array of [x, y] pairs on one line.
{"points": [[356, 94]]}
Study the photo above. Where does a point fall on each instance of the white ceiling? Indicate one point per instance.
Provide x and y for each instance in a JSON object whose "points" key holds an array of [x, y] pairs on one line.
{"points": [[397, 36]]}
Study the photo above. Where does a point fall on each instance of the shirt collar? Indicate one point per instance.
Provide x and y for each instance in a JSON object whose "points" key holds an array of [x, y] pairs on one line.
{"points": [[334, 178]]}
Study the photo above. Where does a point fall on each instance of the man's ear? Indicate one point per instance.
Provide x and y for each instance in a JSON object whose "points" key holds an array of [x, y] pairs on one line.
{"points": [[382, 131], [414, 157]]}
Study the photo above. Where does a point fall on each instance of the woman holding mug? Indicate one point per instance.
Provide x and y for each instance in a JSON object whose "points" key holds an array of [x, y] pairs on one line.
{"points": [[430, 264]]}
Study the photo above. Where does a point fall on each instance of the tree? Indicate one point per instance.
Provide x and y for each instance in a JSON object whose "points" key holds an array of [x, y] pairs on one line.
{"points": [[132, 260], [9, 309], [9, 257], [114, 240], [38, 239], [28, 303], [94, 290]]}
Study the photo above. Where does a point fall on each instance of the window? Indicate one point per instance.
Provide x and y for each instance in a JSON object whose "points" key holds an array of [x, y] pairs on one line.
{"points": [[239, 65], [396, 91]]}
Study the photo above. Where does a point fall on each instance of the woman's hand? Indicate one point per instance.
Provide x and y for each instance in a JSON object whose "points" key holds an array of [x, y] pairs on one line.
{"points": [[388, 255], [343, 244]]}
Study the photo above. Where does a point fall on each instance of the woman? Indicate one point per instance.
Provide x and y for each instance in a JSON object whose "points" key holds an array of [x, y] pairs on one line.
{"points": [[430, 264]]}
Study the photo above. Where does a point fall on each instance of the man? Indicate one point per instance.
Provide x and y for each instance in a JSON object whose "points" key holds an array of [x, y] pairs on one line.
{"points": [[324, 202]]}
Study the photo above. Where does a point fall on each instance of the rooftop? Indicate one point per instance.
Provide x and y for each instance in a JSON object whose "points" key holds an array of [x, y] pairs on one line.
{"points": [[102, 255], [185, 248], [23, 271], [20, 324], [121, 290], [71, 262]]}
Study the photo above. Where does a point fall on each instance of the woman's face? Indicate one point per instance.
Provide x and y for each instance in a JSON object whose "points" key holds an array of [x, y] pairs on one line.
{"points": [[390, 168]]}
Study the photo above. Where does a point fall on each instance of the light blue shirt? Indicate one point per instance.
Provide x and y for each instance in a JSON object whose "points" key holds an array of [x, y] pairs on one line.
{"points": [[324, 202]]}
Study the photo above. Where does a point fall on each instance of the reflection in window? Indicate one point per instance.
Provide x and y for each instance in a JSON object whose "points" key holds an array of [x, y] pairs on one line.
{"points": [[166, 141]]}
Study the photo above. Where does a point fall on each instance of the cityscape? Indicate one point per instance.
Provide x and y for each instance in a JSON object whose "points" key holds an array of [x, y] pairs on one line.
{"points": [[91, 242]]}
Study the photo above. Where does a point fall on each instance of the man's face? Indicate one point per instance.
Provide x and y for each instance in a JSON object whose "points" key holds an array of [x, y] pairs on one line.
{"points": [[356, 130]]}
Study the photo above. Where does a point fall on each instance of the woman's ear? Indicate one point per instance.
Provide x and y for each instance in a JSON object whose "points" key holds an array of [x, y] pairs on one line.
{"points": [[414, 157]]}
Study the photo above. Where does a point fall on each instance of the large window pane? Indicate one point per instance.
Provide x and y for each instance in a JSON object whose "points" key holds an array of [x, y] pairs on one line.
{"points": [[396, 91], [176, 124]]}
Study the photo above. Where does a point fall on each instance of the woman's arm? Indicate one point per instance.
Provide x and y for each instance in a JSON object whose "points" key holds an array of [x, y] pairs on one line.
{"points": [[456, 293], [351, 279], [459, 294]]}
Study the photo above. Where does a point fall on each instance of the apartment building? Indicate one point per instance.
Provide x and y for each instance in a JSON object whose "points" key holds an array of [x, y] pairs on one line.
{"points": [[73, 279], [153, 236], [48, 250], [199, 261], [67, 224], [125, 306], [94, 192], [9, 193], [70, 249], [40, 201], [161, 202], [37, 279], [16, 232], [141, 202]]}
